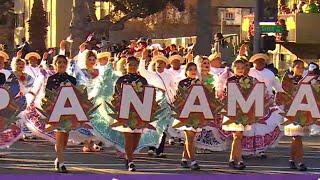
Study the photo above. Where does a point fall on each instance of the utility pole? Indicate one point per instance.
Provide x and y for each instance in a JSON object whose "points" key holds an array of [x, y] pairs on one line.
{"points": [[258, 15]]}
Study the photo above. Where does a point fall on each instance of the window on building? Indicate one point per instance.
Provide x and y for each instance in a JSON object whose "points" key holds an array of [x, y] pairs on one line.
{"points": [[230, 16], [19, 20]]}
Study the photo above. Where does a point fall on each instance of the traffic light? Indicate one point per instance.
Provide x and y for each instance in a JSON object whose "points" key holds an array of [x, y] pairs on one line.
{"points": [[270, 11], [268, 43]]}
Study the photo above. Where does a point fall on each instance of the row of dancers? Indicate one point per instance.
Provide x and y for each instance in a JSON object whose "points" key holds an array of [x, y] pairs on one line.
{"points": [[31, 76]]}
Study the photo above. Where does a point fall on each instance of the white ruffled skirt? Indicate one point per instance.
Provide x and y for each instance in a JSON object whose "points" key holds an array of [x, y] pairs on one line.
{"points": [[259, 137], [213, 137]]}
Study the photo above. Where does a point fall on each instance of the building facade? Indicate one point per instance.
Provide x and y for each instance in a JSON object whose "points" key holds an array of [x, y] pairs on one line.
{"points": [[227, 18], [171, 23]]}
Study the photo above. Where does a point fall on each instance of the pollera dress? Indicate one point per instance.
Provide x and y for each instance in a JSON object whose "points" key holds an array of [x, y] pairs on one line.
{"points": [[186, 84], [262, 136], [102, 122], [91, 82], [129, 79], [33, 118], [34, 122], [258, 137], [212, 137], [14, 132], [233, 127], [25, 83], [295, 129]]}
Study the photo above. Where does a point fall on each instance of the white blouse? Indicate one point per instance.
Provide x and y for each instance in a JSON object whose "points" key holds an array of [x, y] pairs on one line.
{"points": [[33, 71], [268, 78], [163, 80]]}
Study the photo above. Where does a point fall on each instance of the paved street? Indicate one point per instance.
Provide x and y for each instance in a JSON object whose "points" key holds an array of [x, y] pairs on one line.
{"points": [[37, 157]]}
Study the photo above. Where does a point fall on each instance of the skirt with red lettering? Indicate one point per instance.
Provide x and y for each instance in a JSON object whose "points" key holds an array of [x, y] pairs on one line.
{"points": [[260, 137], [33, 120], [36, 125]]}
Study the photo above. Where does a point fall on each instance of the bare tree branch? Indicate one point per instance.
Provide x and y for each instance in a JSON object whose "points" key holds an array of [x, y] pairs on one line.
{"points": [[101, 25], [128, 17]]}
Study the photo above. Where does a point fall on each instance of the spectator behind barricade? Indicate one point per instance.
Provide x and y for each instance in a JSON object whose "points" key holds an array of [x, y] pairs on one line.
{"points": [[93, 44], [103, 45], [173, 49], [64, 48], [149, 41], [25, 47], [243, 52], [219, 43], [295, 8], [133, 45], [282, 36], [284, 9], [166, 51], [180, 50], [142, 44], [300, 6], [224, 48]]}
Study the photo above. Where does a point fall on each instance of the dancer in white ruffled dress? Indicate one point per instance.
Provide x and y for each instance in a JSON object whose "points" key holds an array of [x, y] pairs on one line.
{"points": [[262, 136]]}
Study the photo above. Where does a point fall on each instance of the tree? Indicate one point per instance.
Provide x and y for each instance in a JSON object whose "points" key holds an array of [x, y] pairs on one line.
{"points": [[204, 32], [7, 24], [38, 26], [84, 20]]}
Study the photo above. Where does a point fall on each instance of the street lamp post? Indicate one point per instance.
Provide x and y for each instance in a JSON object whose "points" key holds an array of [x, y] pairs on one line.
{"points": [[257, 30]]}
